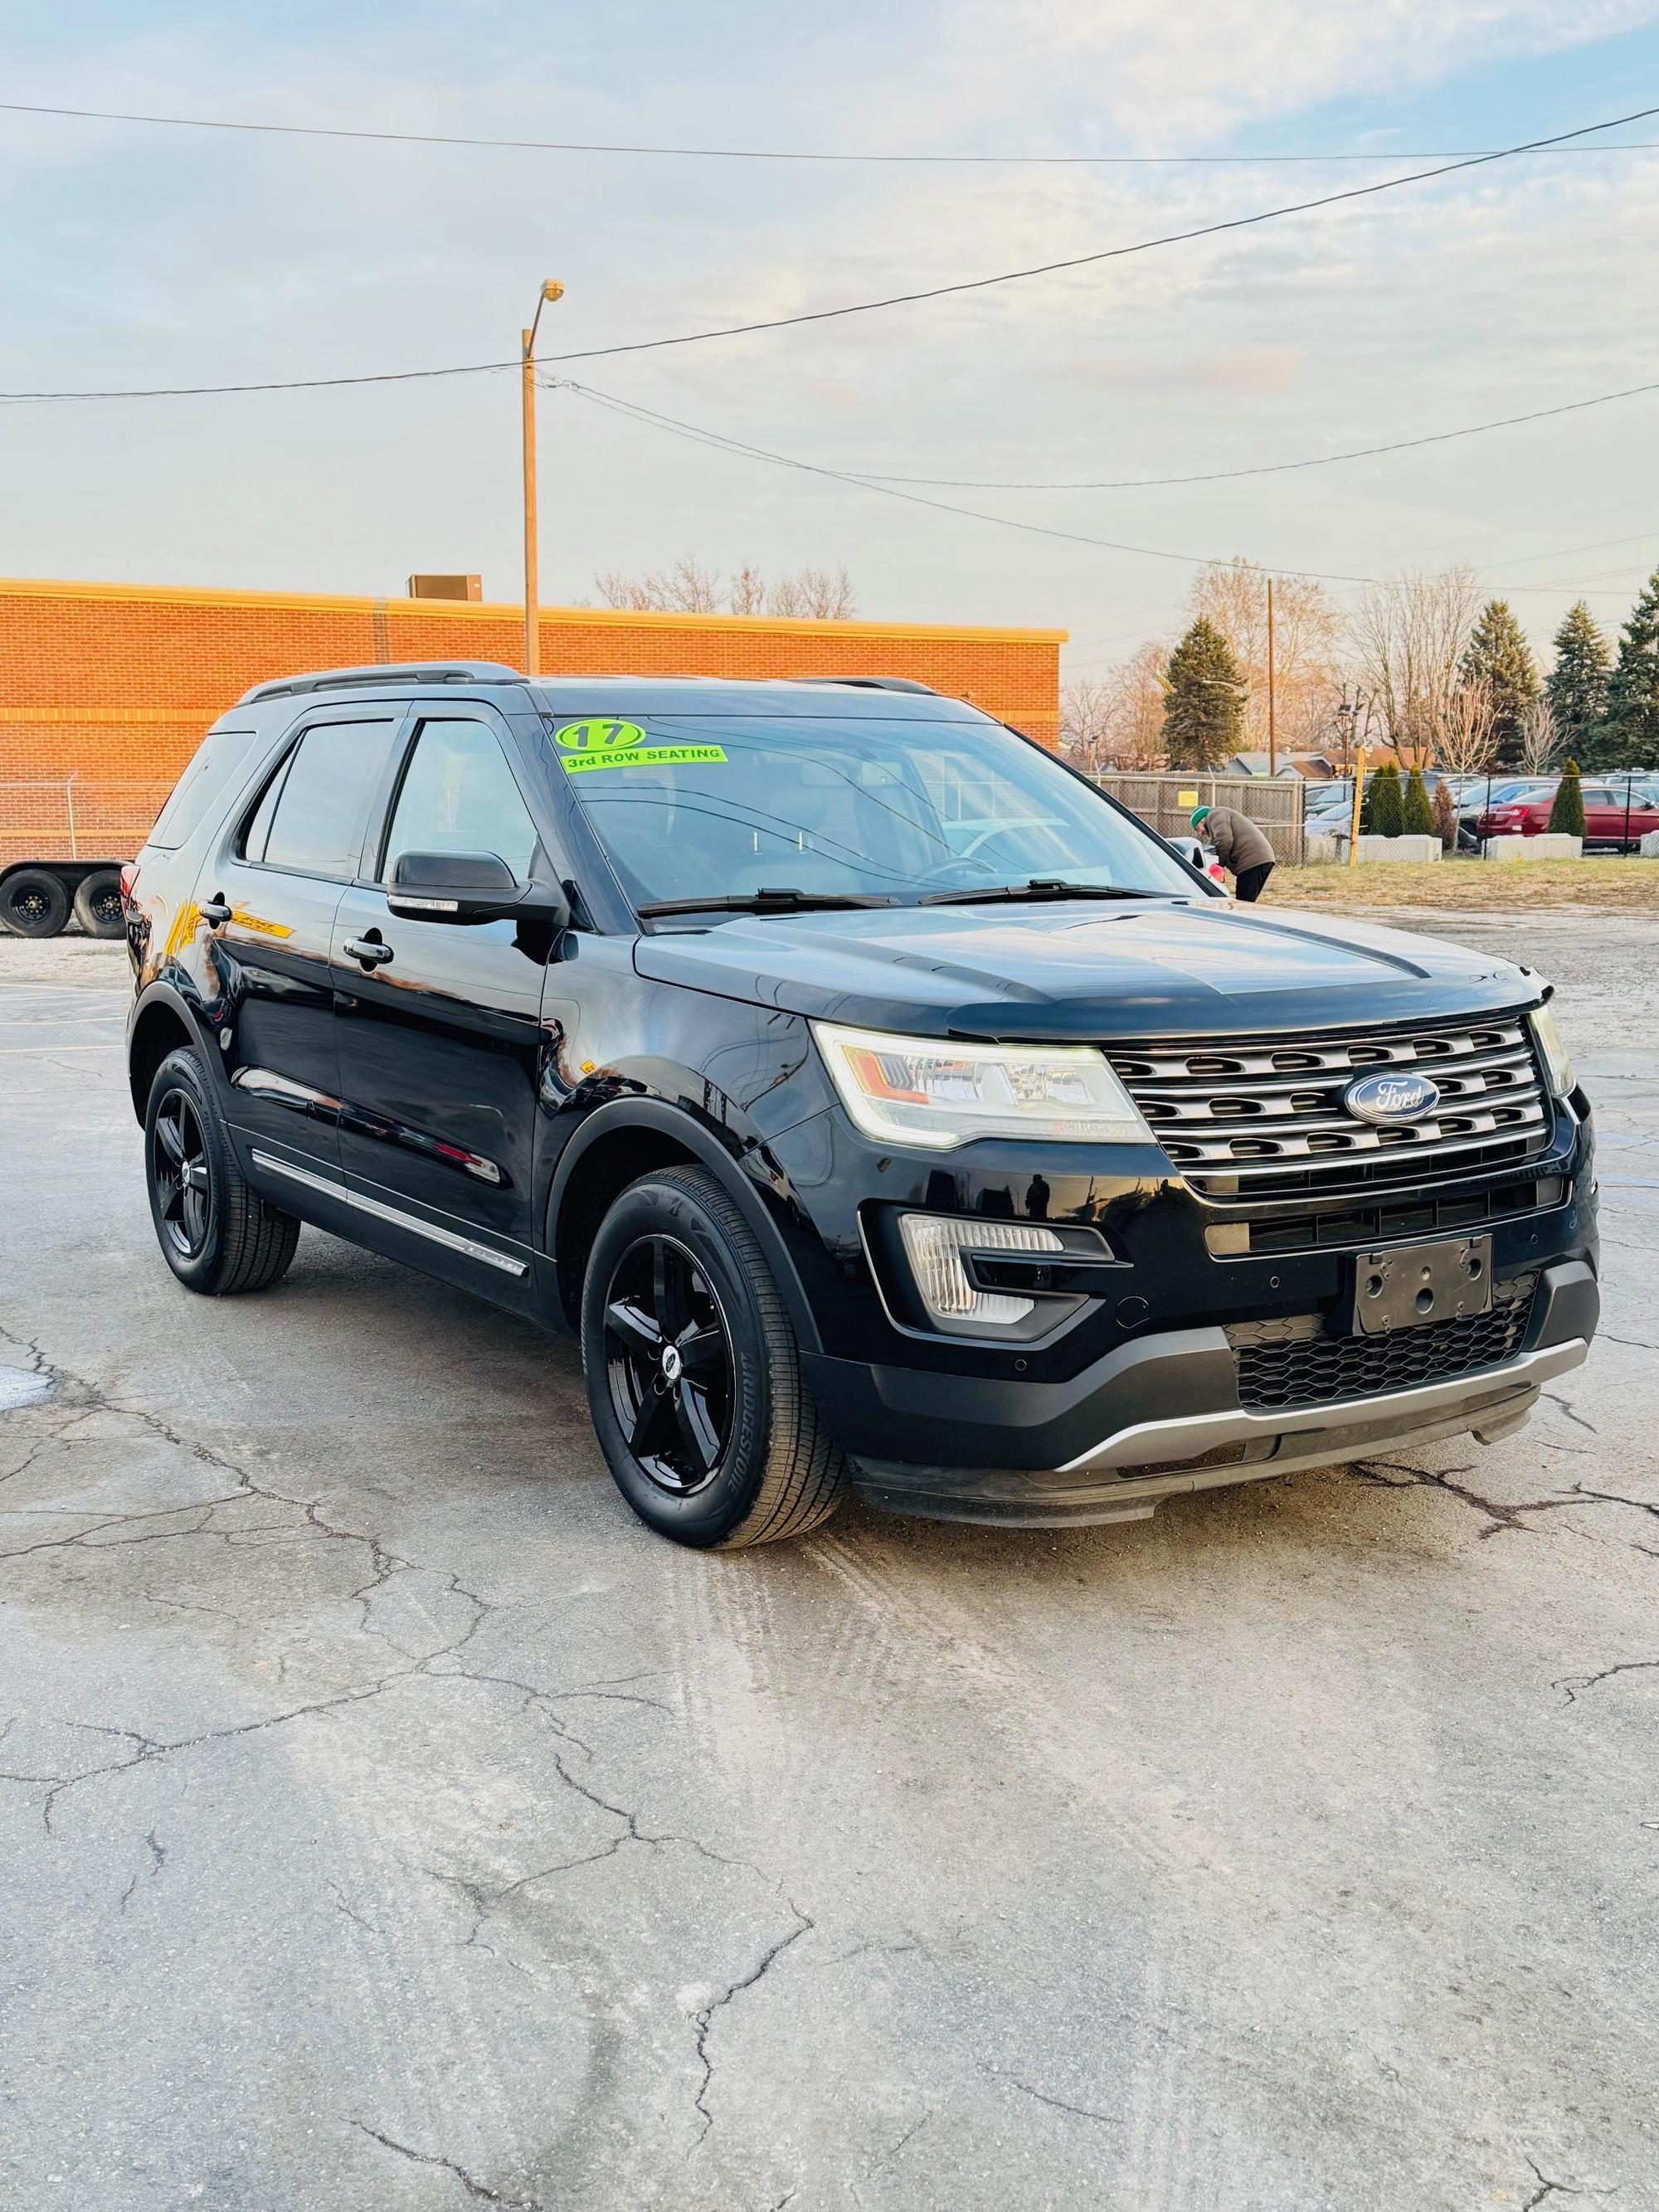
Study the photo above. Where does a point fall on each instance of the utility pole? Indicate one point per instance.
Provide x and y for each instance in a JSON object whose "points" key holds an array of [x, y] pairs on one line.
{"points": [[551, 290], [1359, 801], [1272, 730]]}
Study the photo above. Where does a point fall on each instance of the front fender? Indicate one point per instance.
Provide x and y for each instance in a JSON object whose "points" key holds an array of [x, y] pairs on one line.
{"points": [[756, 1185]]}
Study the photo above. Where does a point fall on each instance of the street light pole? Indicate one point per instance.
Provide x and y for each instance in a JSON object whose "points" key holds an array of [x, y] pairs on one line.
{"points": [[1272, 731], [551, 290]]}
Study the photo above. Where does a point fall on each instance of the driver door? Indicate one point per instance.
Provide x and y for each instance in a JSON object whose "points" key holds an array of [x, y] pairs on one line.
{"points": [[439, 1024]]}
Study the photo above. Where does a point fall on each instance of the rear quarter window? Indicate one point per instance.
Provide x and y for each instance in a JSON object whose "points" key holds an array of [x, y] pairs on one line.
{"points": [[214, 767]]}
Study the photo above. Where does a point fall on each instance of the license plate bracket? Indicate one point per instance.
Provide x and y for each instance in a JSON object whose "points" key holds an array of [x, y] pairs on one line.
{"points": [[1412, 1286]]}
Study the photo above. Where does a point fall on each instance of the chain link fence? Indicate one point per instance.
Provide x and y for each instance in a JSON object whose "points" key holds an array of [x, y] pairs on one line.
{"points": [[72, 819], [1164, 803]]}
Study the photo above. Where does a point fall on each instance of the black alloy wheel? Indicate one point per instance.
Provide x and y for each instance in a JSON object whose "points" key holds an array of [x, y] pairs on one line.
{"points": [[669, 1365], [182, 1175], [693, 1372]]}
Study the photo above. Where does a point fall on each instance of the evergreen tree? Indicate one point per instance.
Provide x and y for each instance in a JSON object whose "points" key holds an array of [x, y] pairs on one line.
{"points": [[1498, 656], [1203, 700], [1387, 810], [1627, 735], [1578, 685], [1567, 813], [1417, 816]]}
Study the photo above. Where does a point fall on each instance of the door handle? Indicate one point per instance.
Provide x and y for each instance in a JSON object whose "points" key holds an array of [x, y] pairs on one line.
{"points": [[214, 911], [372, 955]]}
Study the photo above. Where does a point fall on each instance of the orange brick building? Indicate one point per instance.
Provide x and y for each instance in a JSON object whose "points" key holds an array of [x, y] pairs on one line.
{"points": [[105, 688]]}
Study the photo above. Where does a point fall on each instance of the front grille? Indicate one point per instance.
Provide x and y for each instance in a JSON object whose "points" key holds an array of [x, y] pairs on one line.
{"points": [[1264, 1118], [1286, 1363]]}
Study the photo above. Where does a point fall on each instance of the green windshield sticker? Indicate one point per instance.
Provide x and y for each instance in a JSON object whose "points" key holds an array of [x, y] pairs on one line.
{"points": [[599, 736], [579, 763], [599, 744]]}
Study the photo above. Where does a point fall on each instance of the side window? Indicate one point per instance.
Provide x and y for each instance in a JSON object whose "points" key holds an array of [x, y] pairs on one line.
{"points": [[312, 814], [458, 796], [218, 758]]}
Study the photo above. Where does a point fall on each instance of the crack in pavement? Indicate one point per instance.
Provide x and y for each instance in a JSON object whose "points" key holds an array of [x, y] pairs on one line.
{"points": [[1499, 1516], [1575, 1684], [1059, 2103], [705, 2016], [469, 2181], [158, 1859]]}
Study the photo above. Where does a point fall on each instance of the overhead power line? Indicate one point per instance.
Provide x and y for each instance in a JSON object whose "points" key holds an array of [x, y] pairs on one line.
{"points": [[899, 298], [770, 154], [1262, 468], [700, 433]]}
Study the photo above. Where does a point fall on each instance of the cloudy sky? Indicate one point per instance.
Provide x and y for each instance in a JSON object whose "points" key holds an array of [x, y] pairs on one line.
{"points": [[137, 256]]}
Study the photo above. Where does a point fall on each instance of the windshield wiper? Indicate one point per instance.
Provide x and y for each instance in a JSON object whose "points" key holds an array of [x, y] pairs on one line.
{"points": [[1039, 888], [764, 902]]}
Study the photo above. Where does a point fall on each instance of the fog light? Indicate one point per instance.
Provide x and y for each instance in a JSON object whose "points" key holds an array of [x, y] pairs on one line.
{"points": [[934, 1244]]}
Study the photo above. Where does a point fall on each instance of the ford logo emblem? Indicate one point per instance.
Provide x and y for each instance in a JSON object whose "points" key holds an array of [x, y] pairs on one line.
{"points": [[1391, 1097]]}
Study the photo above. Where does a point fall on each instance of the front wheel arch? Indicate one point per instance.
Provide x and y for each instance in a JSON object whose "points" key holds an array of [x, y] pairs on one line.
{"points": [[638, 1135]]}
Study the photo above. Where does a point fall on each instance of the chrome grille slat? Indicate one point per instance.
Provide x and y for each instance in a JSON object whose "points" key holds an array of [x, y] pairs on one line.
{"points": [[1196, 1095], [1234, 1115]]}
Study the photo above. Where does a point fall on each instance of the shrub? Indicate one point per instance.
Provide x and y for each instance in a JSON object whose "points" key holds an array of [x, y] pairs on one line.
{"points": [[1445, 816], [1416, 815], [1386, 809], [1567, 814]]}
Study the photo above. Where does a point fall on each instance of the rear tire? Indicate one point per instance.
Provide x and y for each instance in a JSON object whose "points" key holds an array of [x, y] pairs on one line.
{"points": [[33, 903], [98, 904], [693, 1374], [216, 1233]]}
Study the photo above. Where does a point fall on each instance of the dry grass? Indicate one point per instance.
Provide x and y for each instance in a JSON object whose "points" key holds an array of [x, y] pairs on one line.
{"points": [[1610, 886]]}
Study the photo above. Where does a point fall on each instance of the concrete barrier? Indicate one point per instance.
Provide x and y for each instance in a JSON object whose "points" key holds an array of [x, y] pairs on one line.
{"points": [[1320, 852], [1409, 849], [1650, 846], [1547, 847]]}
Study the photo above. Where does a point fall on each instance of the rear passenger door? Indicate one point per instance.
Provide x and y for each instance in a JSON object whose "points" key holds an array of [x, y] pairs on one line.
{"points": [[281, 871], [440, 1022]]}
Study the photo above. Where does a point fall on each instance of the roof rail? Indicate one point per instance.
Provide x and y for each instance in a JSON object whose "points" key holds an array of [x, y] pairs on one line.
{"points": [[406, 671], [872, 683]]}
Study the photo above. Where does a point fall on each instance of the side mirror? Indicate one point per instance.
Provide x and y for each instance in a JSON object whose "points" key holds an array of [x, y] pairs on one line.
{"points": [[470, 887]]}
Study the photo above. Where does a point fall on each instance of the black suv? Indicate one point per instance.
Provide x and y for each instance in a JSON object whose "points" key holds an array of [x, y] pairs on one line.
{"points": [[879, 1102]]}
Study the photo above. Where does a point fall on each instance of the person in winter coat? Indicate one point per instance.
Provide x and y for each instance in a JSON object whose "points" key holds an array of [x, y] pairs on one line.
{"points": [[1239, 846]]}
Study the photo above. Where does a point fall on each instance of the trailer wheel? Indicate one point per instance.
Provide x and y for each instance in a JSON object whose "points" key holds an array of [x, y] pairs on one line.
{"points": [[33, 903], [98, 904]]}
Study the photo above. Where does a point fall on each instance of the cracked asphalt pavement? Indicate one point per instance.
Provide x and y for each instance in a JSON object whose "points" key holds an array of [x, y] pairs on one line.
{"points": [[387, 1821]]}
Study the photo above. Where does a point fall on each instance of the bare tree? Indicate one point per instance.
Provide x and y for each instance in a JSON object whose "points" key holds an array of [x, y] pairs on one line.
{"points": [[1463, 742], [1307, 647], [689, 587], [748, 594], [817, 594], [1409, 635], [1116, 722], [1539, 739]]}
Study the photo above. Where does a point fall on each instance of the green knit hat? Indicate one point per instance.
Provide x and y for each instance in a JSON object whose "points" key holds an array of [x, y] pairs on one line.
{"points": [[1199, 813]]}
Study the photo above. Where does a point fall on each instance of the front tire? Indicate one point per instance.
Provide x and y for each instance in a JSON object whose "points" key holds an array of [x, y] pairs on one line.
{"points": [[216, 1233], [693, 1374]]}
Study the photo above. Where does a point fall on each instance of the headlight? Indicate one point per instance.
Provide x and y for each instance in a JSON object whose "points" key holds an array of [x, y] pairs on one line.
{"points": [[1558, 1068], [907, 1091]]}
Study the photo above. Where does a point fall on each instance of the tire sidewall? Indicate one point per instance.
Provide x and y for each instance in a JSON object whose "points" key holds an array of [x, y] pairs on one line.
{"points": [[57, 903], [652, 1207], [182, 1071]]}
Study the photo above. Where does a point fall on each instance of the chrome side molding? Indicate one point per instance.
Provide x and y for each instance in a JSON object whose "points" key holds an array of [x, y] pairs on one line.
{"points": [[450, 1238]]}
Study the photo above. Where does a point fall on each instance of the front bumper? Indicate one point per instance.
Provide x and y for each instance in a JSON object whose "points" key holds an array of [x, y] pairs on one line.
{"points": [[1156, 1416]]}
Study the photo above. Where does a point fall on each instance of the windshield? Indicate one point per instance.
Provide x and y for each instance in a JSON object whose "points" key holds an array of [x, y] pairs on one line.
{"points": [[688, 807]]}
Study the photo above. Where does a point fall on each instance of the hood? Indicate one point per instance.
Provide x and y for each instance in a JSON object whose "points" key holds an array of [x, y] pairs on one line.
{"points": [[1045, 973]]}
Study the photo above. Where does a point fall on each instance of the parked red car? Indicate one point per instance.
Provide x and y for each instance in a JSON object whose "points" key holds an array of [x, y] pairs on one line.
{"points": [[1613, 815]]}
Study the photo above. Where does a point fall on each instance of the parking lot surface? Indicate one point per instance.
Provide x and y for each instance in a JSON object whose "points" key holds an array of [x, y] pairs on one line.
{"points": [[388, 1820]]}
